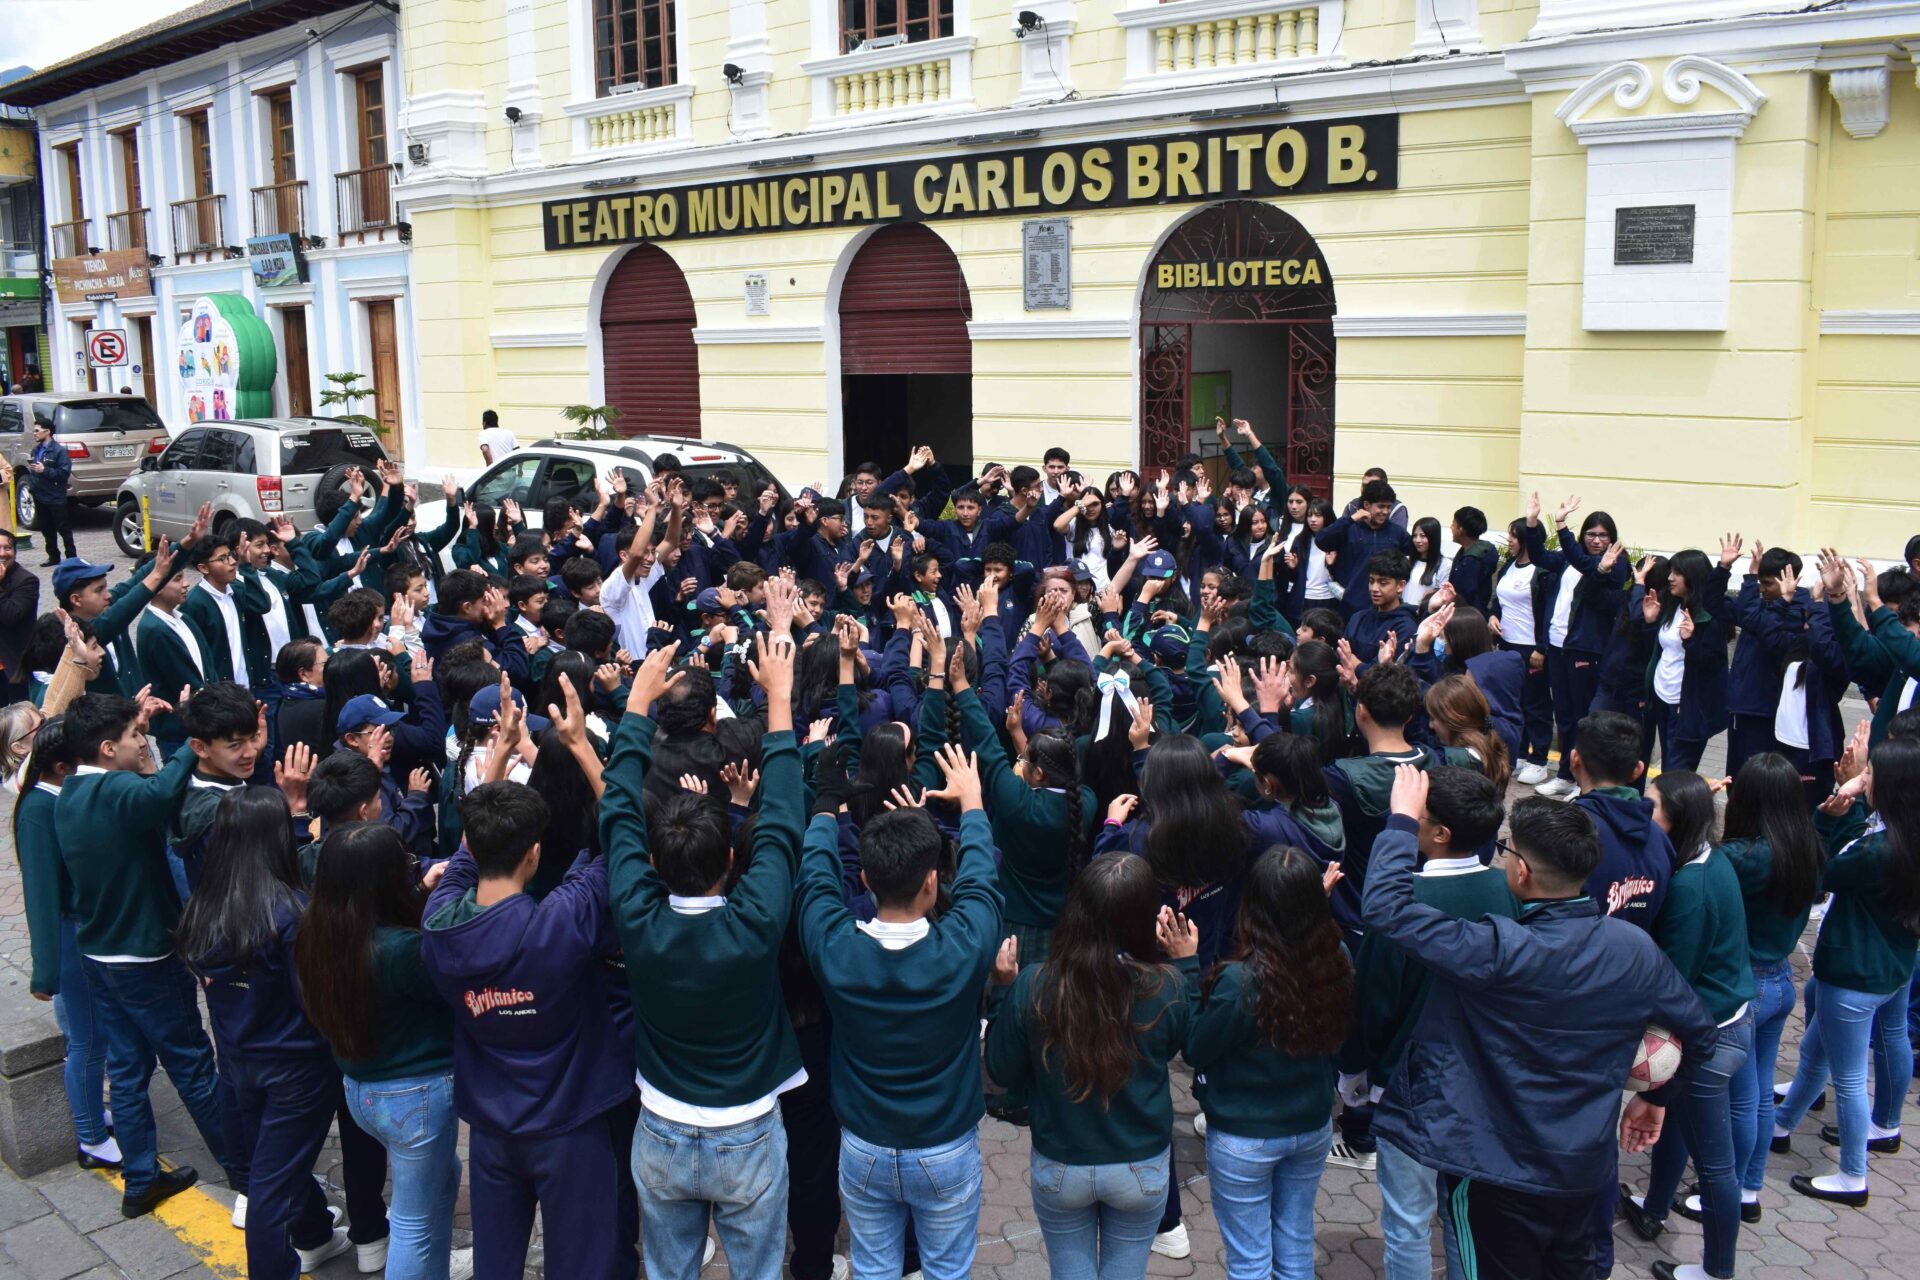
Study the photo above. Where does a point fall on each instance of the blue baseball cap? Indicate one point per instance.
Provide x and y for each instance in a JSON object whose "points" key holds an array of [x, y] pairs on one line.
{"points": [[1159, 565], [485, 709], [365, 709], [709, 601], [73, 571], [1169, 643]]}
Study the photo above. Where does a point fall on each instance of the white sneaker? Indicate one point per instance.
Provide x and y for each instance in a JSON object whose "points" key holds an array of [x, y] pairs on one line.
{"points": [[460, 1265], [1557, 789], [1200, 1123], [914, 1275], [1531, 774], [239, 1213], [371, 1257], [1347, 1158], [1174, 1243], [841, 1267], [311, 1259]]}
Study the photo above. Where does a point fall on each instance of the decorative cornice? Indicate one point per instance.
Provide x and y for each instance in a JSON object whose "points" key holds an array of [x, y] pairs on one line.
{"points": [[1043, 330], [1491, 324], [1631, 86], [530, 338], [1890, 323], [1865, 95], [769, 334]]}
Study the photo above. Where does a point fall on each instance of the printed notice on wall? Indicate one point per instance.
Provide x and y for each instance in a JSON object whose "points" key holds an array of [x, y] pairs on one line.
{"points": [[1048, 279], [756, 293], [1653, 235]]}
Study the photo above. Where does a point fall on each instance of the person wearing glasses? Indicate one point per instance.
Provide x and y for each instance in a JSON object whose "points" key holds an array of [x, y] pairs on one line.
{"points": [[217, 606], [1532, 1024]]}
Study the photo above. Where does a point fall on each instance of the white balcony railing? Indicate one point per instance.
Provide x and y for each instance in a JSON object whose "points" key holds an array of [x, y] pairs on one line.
{"points": [[925, 77], [1185, 41], [631, 120]]}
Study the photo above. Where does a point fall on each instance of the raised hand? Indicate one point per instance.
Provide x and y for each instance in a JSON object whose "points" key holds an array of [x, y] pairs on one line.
{"points": [[1730, 544], [1140, 730], [1273, 684], [693, 782], [570, 718], [419, 782], [291, 774], [961, 774], [1686, 623], [1120, 810], [772, 667], [1227, 682], [783, 597], [1533, 507], [1608, 558], [1006, 963], [741, 782], [1565, 509], [655, 676], [1179, 936], [1409, 798]]}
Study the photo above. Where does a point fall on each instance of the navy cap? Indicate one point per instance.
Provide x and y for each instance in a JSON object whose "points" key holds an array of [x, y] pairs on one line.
{"points": [[365, 709], [485, 709], [860, 577], [1159, 565], [709, 601], [73, 571], [1081, 573], [1169, 643]]}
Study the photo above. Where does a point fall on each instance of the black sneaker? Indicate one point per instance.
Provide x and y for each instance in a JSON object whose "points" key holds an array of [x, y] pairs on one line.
{"points": [[1644, 1224], [1830, 1134], [171, 1182]]}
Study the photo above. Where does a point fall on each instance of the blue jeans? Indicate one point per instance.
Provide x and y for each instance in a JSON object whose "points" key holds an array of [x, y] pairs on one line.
{"points": [[1751, 1098], [1890, 1077], [413, 1119], [151, 1013], [285, 1108], [1263, 1190], [86, 1069], [1409, 1197], [1700, 1123], [736, 1175], [1836, 1045], [940, 1186], [1099, 1220]]}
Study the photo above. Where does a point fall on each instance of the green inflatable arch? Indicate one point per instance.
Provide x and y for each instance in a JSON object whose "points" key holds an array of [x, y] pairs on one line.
{"points": [[257, 357]]}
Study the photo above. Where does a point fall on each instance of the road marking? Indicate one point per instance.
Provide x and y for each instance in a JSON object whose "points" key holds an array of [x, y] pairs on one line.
{"points": [[204, 1225]]}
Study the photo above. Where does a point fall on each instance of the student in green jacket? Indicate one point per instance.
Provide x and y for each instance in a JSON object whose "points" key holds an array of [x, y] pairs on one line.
{"points": [[111, 822], [58, 972], [1090, 1032], [220, 607], [175, 654], [1864, 958], [712, 1038], [1702, 928], [904, 994], [1263, 1045], [81, 589]]}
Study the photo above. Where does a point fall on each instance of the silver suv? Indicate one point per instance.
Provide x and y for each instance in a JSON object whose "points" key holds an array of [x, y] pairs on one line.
{"points": [[547, 469], [257, 468], [105, 436]]}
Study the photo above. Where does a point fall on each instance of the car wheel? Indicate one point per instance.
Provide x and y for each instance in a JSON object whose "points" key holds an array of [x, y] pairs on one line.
{"points": [[24, 507], [127, 528], [331, 490]]}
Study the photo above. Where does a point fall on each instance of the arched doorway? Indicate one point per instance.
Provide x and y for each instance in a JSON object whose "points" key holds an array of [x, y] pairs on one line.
{"points": [[906, 362], [650, 365], [1236, 318]]}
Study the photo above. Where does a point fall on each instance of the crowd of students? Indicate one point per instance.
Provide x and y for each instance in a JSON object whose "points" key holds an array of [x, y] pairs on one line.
{"points": [[720, 860]]}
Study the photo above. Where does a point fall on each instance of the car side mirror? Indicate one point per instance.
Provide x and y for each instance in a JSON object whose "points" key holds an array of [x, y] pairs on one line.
{"points": [[149, 462]]}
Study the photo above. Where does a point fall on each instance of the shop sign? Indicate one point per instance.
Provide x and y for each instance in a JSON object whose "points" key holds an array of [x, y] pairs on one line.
{"points": [[1253, 161], [276, 261], [226, 362], [1046, 244], [1239, 273], [118, 273]]}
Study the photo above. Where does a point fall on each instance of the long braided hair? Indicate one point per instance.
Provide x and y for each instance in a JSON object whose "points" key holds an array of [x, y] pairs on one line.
{"points": [[1055, 764]]}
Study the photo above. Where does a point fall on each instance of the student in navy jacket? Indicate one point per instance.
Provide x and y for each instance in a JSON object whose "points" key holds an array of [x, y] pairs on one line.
{"points": [[1636, 857], [1510, 1084], [1753, 681], [1688, 677], [1811, 676], [1582, 588], [968, 535], [1384, 615], [538, 1067], [470, 607], [1358, 536], [1520, 618]]}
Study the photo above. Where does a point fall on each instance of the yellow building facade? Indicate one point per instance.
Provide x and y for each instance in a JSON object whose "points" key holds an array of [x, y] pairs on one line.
{"points": [[1662, 255]]}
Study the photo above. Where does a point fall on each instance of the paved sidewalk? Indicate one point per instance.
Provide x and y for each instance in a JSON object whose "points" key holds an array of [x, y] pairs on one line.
{"points": [[66, 1223]]}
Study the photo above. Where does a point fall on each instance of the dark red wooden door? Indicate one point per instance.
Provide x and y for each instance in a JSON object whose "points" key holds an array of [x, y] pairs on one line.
{"points": [[646, 346], [904, 306]]}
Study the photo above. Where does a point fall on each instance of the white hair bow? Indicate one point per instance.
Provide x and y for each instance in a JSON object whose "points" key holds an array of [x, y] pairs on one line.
{"points": [[1114, 687]]}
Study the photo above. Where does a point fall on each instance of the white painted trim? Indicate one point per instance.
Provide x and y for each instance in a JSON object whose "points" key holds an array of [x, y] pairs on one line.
{"points": [[760, 334], [278, 76], [1048, 330], [1492, 324], [1864, 95], [955, 50], [1890, 323], [1663, 128], [1686, 75], [830, 352], [373, 288], [1630, 83], [552, 338], [359, 53]]}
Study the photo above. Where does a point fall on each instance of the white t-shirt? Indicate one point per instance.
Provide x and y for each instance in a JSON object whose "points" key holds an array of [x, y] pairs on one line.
{"points": [[1320, 583], [1790, 717], [1671, 671], [1515, 593], [1563, 608], [631, 607], [1417, 591]]}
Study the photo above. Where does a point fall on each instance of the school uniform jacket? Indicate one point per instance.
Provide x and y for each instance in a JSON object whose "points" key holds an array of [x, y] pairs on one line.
{"points": [[1355, 544], [1703, 686], [112, 827], [1889, 648], [169, 667], [121, 671], [1597, 598], [1799, 629], [250, 602]]}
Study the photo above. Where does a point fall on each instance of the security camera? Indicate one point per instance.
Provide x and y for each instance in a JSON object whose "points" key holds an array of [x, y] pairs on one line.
{"points": [[513, 115], [1029, 21], [733, 73]]}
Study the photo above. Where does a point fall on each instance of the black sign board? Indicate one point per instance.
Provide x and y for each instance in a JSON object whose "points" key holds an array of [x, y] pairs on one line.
{"points": [[1653, 235]]}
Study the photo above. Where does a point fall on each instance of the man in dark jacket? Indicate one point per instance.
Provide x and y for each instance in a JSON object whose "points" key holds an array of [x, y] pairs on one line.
{"points": [[19, 606], [1365, 531], [1636, 858], [1510, 1086], [49, 471], [471, 607]]}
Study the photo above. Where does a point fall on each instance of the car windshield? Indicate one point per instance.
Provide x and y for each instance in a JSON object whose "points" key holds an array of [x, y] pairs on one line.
{"points": [[317, 449], [131, 414]]}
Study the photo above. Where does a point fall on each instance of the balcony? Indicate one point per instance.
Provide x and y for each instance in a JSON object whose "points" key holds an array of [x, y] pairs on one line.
{"points": [[1199, 41], [128, 229], [871, 86], [365, 201], [630, 119], [19, 258], [200, 229], [280, 209], [70, 238]]}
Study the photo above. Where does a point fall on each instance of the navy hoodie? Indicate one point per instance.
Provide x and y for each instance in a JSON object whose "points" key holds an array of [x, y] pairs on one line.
{"points": [[1636, 858], [441, 632], [256, 1011], [535, 1049]]}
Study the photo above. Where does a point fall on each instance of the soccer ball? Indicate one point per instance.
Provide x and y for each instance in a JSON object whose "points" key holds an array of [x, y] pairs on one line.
{"points": [[1655, 1062]]}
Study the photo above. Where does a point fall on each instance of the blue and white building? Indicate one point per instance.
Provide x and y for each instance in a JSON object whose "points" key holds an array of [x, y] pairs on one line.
{"points": [[248, 147]]}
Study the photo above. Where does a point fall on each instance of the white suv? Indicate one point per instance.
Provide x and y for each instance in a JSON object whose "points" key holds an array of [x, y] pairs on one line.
{"points": [[536, 473]]}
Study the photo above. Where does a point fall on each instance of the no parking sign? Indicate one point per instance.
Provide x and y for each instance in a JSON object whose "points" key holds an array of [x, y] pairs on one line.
{"points": [[107, 348]]}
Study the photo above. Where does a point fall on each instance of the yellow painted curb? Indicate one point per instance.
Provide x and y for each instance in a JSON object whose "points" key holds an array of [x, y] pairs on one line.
{"points": [[205, 1226]]}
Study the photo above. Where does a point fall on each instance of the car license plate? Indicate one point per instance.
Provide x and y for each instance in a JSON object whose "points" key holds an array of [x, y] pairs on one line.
{"points": [[121, 450]]}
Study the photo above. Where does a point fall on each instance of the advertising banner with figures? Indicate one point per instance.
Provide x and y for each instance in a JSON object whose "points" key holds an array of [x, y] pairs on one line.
{"points": [[226, 361]]}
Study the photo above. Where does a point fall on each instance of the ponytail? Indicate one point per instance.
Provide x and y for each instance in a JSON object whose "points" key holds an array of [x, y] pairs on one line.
{"points": [[1052, 756]]}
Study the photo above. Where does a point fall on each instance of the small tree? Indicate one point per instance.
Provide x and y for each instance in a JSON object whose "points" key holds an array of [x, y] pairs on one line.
{"points": [[592, 422], [346, 389]]}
